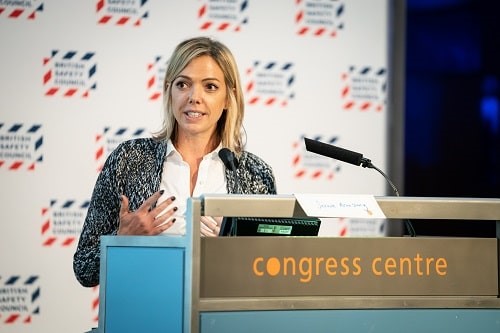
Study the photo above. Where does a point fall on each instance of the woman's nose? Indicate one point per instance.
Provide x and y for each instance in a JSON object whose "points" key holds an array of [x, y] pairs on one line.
{"points": [[194, 96]]}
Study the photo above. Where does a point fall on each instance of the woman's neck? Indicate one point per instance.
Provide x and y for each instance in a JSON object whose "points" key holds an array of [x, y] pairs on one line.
{"points": [[195, 147], [192, 151]]}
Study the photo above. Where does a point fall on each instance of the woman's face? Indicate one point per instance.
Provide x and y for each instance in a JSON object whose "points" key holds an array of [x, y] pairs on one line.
{"points": [[199, 97]]}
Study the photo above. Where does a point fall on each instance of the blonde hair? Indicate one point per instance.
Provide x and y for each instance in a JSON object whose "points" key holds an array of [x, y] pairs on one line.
{"points": [[230, 125]]}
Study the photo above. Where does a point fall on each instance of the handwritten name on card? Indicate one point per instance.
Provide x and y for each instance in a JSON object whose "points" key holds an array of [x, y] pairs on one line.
{"points": [[340, 205]]}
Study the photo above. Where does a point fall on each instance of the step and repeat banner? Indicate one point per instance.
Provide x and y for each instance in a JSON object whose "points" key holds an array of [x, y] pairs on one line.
{"points": [[79, 77]]}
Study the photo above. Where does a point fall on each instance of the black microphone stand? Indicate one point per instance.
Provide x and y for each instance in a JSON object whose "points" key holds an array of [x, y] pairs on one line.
{"points": [[366, 163]]}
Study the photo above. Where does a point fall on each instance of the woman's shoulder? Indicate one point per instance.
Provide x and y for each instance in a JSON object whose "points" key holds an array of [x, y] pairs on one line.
{"points": [[251, 160], [143, 145], [258, 175], [138, 149], [139, 143]]}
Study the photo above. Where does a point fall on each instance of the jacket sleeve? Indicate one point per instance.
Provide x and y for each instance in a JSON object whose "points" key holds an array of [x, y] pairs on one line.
{"points": [[102, 219]]}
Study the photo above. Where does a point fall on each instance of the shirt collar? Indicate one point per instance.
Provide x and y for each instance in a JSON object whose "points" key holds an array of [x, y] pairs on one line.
{"points": [[171, 151]]}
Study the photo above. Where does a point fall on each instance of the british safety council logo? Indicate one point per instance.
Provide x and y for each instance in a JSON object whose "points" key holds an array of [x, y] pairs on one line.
{"points": [[19, 299], [122, 12], [364, 89], [156, 73], [110, 138], [312, 166], [20, 9], [219, 16], [70, 73], [270, 83], [319, 18], [62, 222], [20, 146]]}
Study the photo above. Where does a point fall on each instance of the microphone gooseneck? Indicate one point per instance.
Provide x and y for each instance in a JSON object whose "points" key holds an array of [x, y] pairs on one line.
{"points": [[230, 162], [351, 157]]}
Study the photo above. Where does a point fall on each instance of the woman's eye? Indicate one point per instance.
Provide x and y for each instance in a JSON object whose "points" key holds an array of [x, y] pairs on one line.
{"points": [[181, 84], [212, 86]]}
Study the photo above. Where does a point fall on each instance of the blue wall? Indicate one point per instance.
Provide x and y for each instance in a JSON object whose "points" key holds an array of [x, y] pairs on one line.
{"points": [[452, 131]]}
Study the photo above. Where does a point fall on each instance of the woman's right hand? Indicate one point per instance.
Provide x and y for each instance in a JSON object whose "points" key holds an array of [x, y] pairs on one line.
{"points": [[145, 220]]}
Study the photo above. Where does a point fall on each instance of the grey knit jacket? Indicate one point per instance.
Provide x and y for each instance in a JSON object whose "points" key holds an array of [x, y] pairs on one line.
{"points": [[134, 169]]}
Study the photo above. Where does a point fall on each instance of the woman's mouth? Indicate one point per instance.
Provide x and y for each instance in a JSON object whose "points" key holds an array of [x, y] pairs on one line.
{"points": [[193, 114]]}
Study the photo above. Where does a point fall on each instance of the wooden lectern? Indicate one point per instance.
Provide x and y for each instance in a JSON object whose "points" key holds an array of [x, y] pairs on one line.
{"points": [[304, 284]]}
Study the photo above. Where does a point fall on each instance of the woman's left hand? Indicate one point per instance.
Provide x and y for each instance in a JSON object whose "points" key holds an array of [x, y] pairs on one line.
{"points": [[210, 226]]}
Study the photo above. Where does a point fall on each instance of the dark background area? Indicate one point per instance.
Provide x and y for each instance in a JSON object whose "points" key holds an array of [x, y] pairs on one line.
{"points": [[452, 125]]}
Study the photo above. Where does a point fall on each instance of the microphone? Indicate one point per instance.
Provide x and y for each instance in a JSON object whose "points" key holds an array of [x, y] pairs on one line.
{"points": [[351, 157], [337, 153], [230, 161], [344, 155]]}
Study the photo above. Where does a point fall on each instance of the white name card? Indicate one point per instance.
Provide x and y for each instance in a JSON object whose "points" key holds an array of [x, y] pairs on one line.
{"points": [[340, 205]]}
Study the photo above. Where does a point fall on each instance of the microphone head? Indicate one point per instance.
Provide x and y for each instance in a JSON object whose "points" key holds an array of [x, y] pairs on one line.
{"points": [[337, 153], [228, 158]]}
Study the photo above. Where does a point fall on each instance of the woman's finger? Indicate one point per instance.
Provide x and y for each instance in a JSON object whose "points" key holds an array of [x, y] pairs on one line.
{"points": [[162, 227], [124, 205], [161, 219], [151, 201], [162, 206], [209, 226]]}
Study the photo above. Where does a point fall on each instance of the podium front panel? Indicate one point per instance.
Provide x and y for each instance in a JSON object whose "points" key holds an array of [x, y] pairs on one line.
{"points": [[144, 284], [311, 266], [158, 288]]}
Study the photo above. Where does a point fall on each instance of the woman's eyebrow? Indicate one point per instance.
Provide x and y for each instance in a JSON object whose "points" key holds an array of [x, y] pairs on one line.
{"points": [[204, 79]]}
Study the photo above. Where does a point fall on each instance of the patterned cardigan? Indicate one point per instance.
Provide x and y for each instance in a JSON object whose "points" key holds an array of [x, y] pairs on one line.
{"points": [[134, 169]]}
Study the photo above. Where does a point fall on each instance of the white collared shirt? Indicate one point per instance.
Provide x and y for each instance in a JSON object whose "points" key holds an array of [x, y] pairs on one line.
{"points": [[176, 182]]}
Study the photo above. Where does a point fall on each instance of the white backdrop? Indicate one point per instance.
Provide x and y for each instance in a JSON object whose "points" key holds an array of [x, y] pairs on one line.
{"points": [[78, 77]]}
